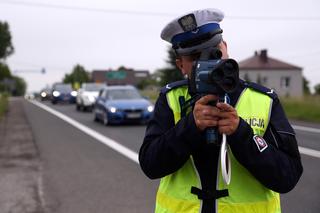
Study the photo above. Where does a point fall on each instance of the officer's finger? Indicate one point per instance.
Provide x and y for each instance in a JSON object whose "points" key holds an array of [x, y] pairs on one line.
{"points": [[229, 125], [225, 130], [206, 99], [206, 115], [224, 122], [228, 115], [203, 124], [209, 110], [225, 107]]}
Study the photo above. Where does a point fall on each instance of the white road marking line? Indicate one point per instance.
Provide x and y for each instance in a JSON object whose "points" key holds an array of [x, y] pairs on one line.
{"points": [[122, 149], [103, 139], [310, 152], [307, 129]]}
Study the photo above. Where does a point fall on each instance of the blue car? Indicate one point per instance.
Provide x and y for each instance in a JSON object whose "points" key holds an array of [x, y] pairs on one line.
{"points": [[63, 93], [122, 104]]}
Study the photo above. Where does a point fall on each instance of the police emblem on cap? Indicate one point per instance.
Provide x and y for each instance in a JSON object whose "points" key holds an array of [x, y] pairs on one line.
{"points": [[188, 22], [260, 142]]}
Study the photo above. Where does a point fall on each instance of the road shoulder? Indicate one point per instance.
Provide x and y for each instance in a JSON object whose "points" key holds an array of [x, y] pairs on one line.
{"points": [[19, 163]]}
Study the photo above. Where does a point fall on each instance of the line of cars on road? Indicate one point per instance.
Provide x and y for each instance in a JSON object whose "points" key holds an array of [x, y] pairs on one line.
{"points": [[110, 104]]}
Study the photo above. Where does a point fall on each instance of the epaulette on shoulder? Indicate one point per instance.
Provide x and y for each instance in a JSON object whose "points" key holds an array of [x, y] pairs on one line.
{"points": [[173, 85], [259, 88]]}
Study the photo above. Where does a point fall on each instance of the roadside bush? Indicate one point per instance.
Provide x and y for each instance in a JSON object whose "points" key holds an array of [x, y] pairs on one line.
{"points": [[3, 103], [306, 108], [151, 93]]}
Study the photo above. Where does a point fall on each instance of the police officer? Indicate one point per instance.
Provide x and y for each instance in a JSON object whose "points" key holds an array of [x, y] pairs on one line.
{"points": [[264, 155]]}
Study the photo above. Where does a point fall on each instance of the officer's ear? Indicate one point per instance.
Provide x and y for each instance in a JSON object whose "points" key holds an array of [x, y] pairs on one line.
{"points": [[224, 49], [179, 63]]}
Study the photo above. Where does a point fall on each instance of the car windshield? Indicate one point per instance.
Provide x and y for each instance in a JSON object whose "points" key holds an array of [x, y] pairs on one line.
{"points": [[93, 87], [63, 88], [121, 94]]}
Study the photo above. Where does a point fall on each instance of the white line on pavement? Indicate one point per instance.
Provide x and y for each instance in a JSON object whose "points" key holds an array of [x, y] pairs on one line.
{"points": [[103, 139], [122, 149], [307, 129], [310, 152]]}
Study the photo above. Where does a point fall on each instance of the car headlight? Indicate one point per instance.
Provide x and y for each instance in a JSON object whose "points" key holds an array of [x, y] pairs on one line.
{"points": [[150, 108], [56, 93], [74, 93], [43, 94], [113, 109]]}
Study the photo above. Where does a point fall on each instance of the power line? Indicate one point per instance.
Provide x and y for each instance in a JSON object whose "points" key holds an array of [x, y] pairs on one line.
{"points": [[54, 6], [144, 13], [276, 18]]}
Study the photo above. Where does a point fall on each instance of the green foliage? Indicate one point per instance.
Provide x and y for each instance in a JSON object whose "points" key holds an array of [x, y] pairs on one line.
{"points": [[9, 83], [151, 94], [170, 73], [306, 88], [4, 71], [78, 76], [121, 68], [20, 86], [172, 57], [306, 108], [14, 85], [3, 103], [317, 89], [145, 83], [6, 47]]}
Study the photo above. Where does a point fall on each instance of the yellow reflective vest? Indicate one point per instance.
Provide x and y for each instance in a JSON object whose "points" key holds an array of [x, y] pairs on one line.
{"points": [[246, 194]]}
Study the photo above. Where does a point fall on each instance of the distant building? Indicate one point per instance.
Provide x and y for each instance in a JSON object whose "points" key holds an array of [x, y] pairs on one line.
{"points": [[120, 77], [284, 78]]}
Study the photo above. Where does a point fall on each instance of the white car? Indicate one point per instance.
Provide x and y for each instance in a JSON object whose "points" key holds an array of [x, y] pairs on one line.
{"points": [[87, 95]]}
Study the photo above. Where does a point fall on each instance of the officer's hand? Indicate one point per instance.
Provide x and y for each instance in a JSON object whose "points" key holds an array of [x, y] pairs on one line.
{"points": [[206, 115], [228, 119]]}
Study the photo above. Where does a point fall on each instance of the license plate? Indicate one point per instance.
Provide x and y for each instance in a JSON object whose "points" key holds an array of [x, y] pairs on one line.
{"points": [[134, 115]]}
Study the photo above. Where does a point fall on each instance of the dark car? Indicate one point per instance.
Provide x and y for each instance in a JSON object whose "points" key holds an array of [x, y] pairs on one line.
{"points": [[121, 104], [63, 93], [45, 94]]}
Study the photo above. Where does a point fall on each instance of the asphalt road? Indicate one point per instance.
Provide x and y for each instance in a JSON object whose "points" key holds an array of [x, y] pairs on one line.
{"points": [[81, 174]]}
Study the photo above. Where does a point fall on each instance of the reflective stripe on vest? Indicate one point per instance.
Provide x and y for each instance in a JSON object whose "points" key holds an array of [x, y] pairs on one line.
{"points": [[246, 194]]}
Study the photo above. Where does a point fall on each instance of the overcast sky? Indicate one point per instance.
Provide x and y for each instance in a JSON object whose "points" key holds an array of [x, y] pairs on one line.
{"points": [[56, 35]]}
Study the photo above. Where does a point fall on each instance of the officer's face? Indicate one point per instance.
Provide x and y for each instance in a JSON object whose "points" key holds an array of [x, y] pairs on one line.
{"points": [[184, 63]]}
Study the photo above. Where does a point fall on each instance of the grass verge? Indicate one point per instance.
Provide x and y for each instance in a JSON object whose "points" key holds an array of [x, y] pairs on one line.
{"points": [[305, 109], [151, 94], [3, 103]]}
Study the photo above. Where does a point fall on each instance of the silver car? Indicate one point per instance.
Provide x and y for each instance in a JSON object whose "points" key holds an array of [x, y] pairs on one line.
{"points": [[87, 95]]}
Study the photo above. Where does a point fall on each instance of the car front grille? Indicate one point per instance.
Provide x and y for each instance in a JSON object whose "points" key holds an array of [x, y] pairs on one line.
{"points": [[132, 110]]}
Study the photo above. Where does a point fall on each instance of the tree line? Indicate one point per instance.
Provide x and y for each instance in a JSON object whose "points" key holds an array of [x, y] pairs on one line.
{"points": [[17, 86], [9, 83]]}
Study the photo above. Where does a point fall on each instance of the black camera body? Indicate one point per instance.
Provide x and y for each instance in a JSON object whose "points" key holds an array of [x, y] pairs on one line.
{"points": [[213, 75]]}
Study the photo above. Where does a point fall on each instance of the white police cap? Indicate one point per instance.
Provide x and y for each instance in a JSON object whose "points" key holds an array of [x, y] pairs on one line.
{"points": [[194, 31]]}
